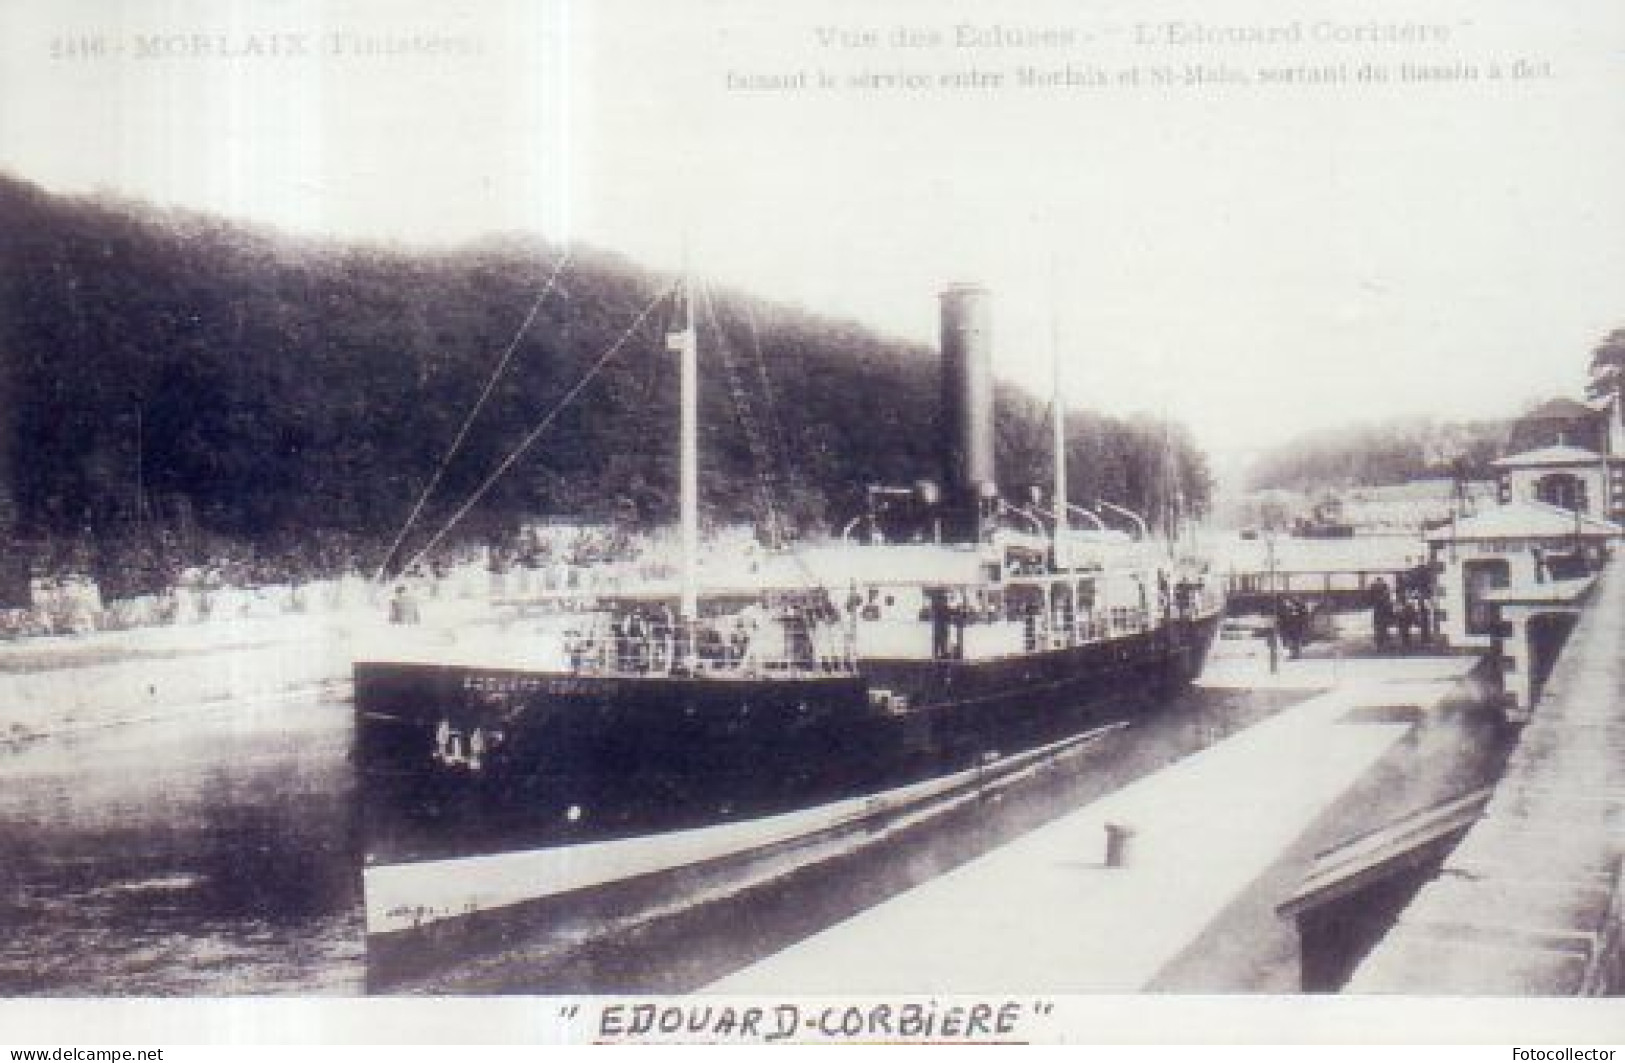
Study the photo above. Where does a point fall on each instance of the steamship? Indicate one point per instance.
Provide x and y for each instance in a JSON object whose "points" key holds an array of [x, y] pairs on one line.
{"points": [[944, 631]]}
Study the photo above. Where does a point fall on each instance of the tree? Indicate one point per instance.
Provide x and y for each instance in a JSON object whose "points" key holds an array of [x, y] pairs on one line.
{"points": [[180, 378], [1607, 366]]}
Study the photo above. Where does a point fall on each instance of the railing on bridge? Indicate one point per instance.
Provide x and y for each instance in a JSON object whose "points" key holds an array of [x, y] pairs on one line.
{"points": [[1253, 592]]}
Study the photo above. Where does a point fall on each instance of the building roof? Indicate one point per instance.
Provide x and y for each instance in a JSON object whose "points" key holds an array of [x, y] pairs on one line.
{"points": [[1557, 455], [1560, 409], [1525, 520]]}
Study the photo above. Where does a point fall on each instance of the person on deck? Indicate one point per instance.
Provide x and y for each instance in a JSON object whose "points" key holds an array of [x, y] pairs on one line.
{"points": [[958, 615], [617, 634], [938, 609], [637, 637]]}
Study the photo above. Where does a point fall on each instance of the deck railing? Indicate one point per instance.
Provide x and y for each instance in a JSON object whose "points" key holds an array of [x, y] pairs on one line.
{"points": [[717, 649]]}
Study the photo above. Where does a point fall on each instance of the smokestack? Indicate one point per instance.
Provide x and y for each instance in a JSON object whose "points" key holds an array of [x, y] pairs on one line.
{"points": [[967, 405]]}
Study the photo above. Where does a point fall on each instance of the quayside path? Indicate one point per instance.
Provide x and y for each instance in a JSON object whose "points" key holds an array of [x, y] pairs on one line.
{"points": [[1051, 911]]}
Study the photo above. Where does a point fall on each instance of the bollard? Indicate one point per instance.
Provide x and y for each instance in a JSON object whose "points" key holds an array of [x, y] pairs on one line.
{"points": [[1118, 842]]}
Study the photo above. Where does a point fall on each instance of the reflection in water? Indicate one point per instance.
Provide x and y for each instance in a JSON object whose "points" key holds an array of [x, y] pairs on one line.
{"points": [[204, 856]]}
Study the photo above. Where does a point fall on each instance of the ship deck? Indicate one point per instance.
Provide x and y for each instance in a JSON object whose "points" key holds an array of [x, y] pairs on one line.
{"points": [[1045, 912]]}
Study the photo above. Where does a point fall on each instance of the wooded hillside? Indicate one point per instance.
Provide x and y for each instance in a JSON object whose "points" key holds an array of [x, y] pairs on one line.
{"points": [[202, 385], [1386, 452]]}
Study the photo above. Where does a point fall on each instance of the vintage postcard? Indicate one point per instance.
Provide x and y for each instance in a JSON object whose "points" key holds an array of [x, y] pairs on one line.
{"points": [[902, 521]]}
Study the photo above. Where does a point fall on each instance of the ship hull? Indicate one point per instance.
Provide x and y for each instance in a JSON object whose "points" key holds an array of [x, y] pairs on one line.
{"points": [[570, 760]]}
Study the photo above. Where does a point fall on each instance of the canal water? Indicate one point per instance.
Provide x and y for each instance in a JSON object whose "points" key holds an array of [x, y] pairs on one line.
{"points": [[217, 854], [209, 855]]}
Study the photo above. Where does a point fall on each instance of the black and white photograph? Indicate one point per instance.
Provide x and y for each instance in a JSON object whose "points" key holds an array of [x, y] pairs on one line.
{"points": [[812, 521]]}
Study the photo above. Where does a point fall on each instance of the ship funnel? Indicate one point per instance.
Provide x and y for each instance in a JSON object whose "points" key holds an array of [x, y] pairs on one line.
{"points": [[967, 408]]}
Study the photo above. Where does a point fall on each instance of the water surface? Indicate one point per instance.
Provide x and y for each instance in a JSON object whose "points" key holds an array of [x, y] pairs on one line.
{"points": [[203, 856]]}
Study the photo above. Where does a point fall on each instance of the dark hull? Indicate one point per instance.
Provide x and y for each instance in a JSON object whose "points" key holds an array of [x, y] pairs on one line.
{"points": [[570, 760]]}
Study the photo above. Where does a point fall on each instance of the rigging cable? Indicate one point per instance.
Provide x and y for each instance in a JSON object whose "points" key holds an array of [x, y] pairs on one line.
{"points": [[546, 422], [757, 443], [473, 413], [777, 443]]}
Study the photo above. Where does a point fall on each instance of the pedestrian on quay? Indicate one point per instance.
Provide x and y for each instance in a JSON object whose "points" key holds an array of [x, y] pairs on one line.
{"points": [[1382, 612], [403, 608], [1283, 624], [1297, 627], [1406, 621]]}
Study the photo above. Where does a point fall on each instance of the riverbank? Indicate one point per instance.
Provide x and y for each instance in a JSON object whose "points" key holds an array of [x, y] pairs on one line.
{"points": [[64, 684]]}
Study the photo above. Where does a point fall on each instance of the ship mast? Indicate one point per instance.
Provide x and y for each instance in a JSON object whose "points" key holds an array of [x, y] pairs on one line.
{"points": [[1057, 422], [1058, 425], [684, 341]]}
